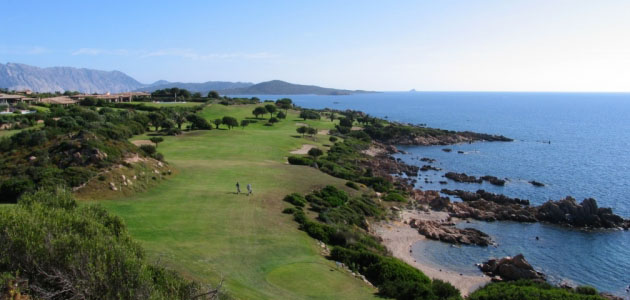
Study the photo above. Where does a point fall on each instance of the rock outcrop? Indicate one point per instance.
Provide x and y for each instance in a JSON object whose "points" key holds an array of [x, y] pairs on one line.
{"points": [[511, 268], [462, 177], [447, 232], [486, 206], [482, 194], [494, 180], [586, 214]]}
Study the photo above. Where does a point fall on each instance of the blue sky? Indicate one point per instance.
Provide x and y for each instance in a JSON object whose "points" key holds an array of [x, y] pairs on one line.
{"points": [[550, 45]]}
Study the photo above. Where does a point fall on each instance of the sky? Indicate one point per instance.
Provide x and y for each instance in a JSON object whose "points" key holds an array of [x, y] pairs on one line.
{"points": [[441, 45]]}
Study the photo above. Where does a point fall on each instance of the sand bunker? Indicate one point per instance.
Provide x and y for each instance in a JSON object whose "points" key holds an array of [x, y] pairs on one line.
{"points": [[304, 149], [142, 142]]}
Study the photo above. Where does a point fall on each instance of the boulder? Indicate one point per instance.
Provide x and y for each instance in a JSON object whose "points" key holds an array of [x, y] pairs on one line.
{"points": [[511, 269]]}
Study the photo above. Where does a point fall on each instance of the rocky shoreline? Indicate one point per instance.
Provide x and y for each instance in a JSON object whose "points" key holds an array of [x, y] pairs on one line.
{"points": [[486, 206]]}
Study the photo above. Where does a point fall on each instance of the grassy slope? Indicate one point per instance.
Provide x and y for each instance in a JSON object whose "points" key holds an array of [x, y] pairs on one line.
{"points": [[195, 223]]}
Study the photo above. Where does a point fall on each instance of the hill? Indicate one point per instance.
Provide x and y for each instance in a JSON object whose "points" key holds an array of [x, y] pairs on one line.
{"points": [[203, 87], [278, 87], [20, 76]]}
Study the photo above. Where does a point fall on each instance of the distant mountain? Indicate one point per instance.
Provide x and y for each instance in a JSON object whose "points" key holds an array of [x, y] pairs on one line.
{"points": [[203, 88], [19, 77], [278, 87], [15, 76]]}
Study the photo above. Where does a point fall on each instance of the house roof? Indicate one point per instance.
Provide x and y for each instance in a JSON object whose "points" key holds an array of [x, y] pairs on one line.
{"points": [[59, 100]]}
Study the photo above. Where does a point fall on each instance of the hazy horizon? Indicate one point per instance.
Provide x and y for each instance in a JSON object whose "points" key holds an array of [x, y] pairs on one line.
{"points": [[516, 46]]}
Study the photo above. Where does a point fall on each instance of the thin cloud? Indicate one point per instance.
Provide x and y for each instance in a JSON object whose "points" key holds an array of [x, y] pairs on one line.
{"points": [[36, 50], [174, 52], [97, 51]]}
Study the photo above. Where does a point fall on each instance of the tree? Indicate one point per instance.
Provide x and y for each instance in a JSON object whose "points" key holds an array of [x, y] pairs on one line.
{"points": [[315, 152], [273, 120], [230, 122], [198, 122], [156, 140], [281, 115], [196, 95], [345, 122], [312, 131], [156, 119], [302, 130], [270, 109], [309, 114], [180, 118], [217, 122], [213, 95], [259, 111], [332, 116], [285, 103], [244, 123]]}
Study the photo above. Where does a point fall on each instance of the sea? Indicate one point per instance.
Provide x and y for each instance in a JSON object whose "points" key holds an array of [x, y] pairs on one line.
{"points": [[577, 144]]}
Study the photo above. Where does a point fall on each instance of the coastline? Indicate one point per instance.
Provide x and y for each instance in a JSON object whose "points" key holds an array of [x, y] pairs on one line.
{"points": [[398, 237]]}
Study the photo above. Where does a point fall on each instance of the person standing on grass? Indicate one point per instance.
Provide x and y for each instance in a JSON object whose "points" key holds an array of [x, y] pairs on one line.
{"points": [[249, 189], [238, 188]]}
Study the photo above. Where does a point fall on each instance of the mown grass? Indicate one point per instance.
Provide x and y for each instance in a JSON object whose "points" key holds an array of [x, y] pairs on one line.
{"points": [[197, 224]]}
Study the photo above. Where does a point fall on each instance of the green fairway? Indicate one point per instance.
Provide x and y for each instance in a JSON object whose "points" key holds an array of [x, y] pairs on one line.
{"points": [[195, 223]]}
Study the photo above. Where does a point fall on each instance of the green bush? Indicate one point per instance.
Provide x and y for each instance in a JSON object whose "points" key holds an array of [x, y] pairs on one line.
{"points": [[296, 199], [586, 290], [148, 149], [333, 139], [527, 290], [352, 185], [394, 197], [289, 210], [300, 160], [79, 252]]}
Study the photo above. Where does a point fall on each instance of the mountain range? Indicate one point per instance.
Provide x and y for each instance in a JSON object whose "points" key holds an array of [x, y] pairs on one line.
{"points": [[14, 76]]}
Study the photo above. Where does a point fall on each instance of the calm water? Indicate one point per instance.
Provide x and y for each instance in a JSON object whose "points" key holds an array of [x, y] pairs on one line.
{"points": [[589, 156]]}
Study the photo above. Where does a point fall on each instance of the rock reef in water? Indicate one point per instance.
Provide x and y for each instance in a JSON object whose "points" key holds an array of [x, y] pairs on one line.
{"points": [[447, 232], [511, 269], [462, 177]]}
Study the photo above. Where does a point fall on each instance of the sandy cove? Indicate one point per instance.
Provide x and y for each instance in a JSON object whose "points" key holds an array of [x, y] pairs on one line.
{"points": [[398, 237]]}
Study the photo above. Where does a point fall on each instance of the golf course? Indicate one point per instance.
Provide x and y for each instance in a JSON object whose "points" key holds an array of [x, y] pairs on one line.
{"points": [[194, 222]]}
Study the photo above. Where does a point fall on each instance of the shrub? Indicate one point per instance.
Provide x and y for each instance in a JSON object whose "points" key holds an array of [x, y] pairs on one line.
{"points": [[77, 252], [527, 290], [586, 290], [332, 139], [315, 152], [394, 197], [281, 115], [148, 149], [352, 185], [300, 160], [289, 210], [295, 199]]}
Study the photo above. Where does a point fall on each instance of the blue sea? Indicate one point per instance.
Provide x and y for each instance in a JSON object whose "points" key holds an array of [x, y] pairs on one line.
{"points": [[577, 144]]}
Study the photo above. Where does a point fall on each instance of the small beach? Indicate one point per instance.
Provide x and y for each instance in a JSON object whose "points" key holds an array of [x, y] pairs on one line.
{"points": [[399, 237]]}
